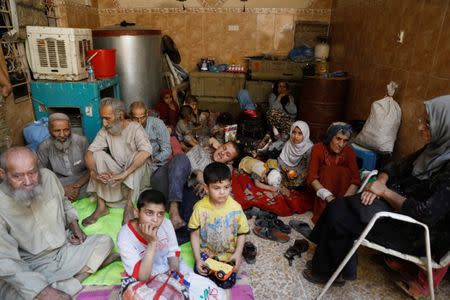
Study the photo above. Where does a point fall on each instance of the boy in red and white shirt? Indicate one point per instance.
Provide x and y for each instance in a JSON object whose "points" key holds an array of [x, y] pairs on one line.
{"points": [[148, 244]]}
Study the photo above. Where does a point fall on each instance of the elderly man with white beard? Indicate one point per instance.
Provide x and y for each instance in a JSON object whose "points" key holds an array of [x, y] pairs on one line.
{"points": [[43, 252], [118, 161], [63, 153]]}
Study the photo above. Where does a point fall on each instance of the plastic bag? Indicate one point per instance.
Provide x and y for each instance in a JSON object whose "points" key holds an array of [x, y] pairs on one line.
{"points": [[380, 130], [203, 288], [36, 132], [161, 286]]}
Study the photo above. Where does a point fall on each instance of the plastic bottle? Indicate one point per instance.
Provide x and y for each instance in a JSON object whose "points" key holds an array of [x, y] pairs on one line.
{"points": [[91, 75]]}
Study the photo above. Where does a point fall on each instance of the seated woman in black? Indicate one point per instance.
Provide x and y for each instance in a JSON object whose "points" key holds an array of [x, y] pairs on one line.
{"points": [[418, 186]]}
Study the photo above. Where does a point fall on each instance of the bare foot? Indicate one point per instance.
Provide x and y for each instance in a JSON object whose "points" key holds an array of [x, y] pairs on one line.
{"points": [[177, 221], [109, 259], [97, 214]]}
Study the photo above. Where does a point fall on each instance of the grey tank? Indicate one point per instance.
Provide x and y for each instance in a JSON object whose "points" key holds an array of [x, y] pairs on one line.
{"points": [[138, 60]]}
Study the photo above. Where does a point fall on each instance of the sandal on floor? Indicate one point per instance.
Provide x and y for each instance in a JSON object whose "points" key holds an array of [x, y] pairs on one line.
{"points": [[271, 234], [249, 252], [301, 227], [254, 211], [277, 223], [302, 245], [273, 223], [297, 249], [309, 275]]}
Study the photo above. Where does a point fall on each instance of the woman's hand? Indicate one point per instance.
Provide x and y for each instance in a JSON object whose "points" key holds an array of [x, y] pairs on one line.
{"points": [[373, 191], [281, 96], [329, 198]]}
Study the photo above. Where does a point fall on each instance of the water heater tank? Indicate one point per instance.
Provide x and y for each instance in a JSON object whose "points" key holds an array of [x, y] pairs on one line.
{"points": [[138, 60]]}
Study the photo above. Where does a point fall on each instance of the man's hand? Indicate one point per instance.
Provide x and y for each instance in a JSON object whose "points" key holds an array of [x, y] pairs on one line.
{"points": [[72, 191], [77, 237], [149, 232], [201, 267], [237, 259], [119, 178], [200, 189], [50, 293], [101, 177]]}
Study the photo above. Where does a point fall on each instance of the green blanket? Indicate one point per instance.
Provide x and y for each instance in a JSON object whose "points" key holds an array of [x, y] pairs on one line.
{"points": [[110, 225]]}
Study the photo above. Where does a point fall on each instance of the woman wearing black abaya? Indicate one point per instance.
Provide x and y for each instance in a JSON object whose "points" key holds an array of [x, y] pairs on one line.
{"points": [[418, 186]]}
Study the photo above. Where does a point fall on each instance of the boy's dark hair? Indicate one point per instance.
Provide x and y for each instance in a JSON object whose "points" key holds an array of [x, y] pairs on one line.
{"points": [[239, 152], [150, 196], [236, 147], [225, 118], [191, 99], [185, 111], [216, 172]]}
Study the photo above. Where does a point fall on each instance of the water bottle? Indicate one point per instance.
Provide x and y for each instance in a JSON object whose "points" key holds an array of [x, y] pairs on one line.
{"points": [[91, 75]]}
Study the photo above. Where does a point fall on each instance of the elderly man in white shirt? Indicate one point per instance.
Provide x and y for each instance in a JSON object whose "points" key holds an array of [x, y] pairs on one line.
{"points": [[43, 252]]}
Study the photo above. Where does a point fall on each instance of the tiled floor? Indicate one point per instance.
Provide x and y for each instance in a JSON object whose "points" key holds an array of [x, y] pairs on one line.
{"points": [[273, 278]]}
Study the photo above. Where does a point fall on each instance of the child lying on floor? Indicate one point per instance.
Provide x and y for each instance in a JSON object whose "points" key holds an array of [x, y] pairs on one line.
{"points": [[265, 175], [218, 225]]}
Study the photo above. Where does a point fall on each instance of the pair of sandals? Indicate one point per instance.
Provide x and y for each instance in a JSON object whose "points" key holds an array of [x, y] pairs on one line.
{"points": [[297, 249], [259, 213], [249, 252], [269, 227]]}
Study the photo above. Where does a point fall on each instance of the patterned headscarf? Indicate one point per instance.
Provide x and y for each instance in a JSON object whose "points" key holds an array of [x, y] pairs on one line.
{"points": [[334, 129], [437, 152]]}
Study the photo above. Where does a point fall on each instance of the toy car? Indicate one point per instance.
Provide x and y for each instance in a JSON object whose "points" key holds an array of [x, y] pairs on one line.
{"points": [[221, 270]]}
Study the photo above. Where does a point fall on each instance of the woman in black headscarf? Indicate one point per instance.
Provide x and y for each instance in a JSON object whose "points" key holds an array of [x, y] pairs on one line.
{"points": [[418, 186]]}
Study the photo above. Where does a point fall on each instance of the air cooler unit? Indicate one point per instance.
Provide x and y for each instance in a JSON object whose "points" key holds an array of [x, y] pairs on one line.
{"points": [[58, 53]]}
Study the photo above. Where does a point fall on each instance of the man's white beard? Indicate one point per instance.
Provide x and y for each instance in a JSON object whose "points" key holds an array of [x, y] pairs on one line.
{"points": [[115, 128], [23, 196], [62, 146]]}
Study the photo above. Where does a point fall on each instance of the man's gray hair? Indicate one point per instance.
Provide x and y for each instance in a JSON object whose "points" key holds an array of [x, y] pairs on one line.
{"points": [[58, 117], [117, 105]]}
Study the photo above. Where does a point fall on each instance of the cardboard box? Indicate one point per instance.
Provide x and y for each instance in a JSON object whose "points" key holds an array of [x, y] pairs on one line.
{"points": [[263, 69], [212, 84]]}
